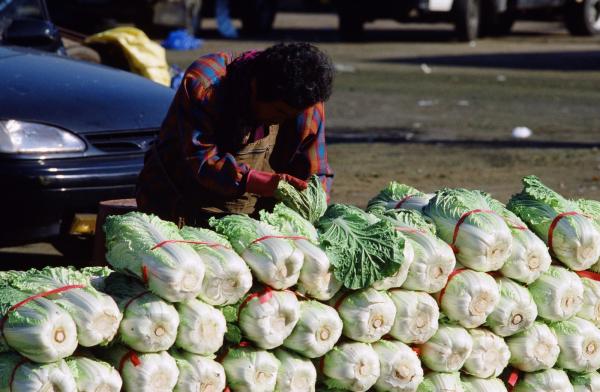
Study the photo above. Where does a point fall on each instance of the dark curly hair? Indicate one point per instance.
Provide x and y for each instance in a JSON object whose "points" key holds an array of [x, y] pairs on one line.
{"points": [[297, 73]]}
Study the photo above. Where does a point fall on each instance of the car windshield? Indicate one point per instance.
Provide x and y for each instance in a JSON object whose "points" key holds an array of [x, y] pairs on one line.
{"points": [[20, 9]]}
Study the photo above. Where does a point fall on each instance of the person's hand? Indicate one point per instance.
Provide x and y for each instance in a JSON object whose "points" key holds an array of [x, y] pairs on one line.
{"points": [[264, 183]]}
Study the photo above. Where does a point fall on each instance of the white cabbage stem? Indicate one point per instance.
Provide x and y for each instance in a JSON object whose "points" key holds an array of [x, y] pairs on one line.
{"points": [[151, 372], [92, 375], [40, 331], [317, 330], [469, 297], [433, 262], [534, 349], [96, 315], [441, 382], [476, 384], [227, 278], [400, 367], [551, 380], [576, 242], [399, 277], [149, 324], [201, 328], [250, 370], [416, 318], [34, 377], [367, 314], [269, 318], [529, 257], [516, 310], [483, 240], [489, 356], [198, 373], [316, 276], [579, 342], [295, 374], [590, 309], [558, 294], [275, 262], [351, 367], [448, 349]]}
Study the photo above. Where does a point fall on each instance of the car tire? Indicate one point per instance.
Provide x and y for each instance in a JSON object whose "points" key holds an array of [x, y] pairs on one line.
{"points": [[494, 23], [351, 24], [258, 16], [583, 17], [467, 17]]}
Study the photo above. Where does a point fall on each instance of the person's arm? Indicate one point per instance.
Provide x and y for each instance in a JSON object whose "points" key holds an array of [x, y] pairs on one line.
{"points": [[213, 169], [311, 156]]}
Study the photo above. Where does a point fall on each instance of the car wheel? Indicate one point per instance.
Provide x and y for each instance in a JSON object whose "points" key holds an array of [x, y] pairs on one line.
{"points": [[351, 24], [258, 16], [466, 19], [583, 17], [496, 23]]}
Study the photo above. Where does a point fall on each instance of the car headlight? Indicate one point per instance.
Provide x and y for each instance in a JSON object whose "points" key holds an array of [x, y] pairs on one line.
{"points": [[21, 137]]}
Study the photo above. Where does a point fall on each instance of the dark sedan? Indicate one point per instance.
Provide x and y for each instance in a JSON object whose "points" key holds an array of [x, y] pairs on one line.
{"points": [[71, 134]]}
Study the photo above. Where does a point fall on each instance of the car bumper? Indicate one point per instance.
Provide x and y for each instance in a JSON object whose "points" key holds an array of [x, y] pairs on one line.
{"points": [[41, 197]]}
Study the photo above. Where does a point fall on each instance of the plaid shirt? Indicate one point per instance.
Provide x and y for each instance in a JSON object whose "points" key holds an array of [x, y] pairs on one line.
{"points": [[189, 148]]}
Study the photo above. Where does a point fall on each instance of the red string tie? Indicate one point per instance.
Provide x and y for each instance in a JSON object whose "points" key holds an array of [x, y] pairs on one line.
{"points": [[460, 222], [286, 237], [589, 274], [403, 200], [14, 373], [555, 223], [210, 244], [131, 356], [34, 297]]}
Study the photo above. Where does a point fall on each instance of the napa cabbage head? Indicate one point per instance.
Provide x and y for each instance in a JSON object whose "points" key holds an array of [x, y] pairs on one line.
{"points": [[17, 375], [482, 241], [274, 260], [227, 278], [310, 203], [173, 270], [575, 239], [395, 196]]}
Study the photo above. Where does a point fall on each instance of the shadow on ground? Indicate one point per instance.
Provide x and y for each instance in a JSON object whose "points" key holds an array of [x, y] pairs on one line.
{"points": [[587, 60]]}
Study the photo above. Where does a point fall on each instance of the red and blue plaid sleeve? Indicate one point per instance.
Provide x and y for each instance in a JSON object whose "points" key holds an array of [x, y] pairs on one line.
{"points": [[196, 117], [312, 153]]}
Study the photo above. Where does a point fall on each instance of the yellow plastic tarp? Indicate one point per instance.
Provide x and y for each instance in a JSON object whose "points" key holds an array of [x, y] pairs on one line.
{"points": [[145, 57]]}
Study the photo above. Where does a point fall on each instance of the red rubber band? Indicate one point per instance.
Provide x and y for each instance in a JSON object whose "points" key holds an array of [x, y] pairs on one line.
{"points": [[144, 273], [34, 297], [409, 230], [344, 295], [210, 244], [403, 200], [134, 298], [513, 378], [555, 223], [460, 222], [263, 296], [417, 350], [589, 274], [287, 237], [450, 277], [14, 372], [132, 356]]}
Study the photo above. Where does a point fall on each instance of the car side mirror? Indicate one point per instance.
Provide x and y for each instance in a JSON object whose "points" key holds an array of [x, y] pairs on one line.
{"points": [[36, 33]]}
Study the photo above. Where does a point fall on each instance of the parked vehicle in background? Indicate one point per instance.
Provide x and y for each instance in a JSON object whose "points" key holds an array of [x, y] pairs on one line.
{"points": [[72, 133], [471, 18]]}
